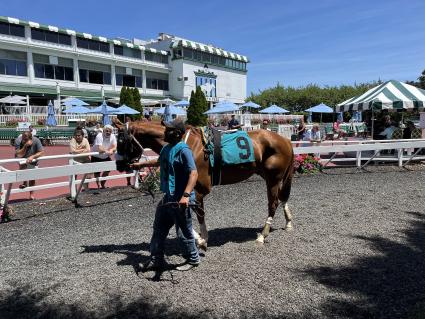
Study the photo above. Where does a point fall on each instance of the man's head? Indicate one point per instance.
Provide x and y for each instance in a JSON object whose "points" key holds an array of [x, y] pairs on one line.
{"points": [[315, 128], [174, 131], [127, 119], [107, 130], [233, 116], [79, 134], [26, 136], [410, 124]]}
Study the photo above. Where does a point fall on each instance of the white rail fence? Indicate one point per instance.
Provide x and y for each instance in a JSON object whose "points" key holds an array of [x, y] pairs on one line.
{"points": [[357, 151], [61, 119], [8, 177]]}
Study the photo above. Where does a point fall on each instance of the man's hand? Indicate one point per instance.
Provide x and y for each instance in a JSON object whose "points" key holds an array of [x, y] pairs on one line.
{"points": [[30, 159], [184, 201]]}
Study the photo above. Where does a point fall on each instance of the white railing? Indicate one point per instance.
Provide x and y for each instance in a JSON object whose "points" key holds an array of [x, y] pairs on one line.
{"points": [[364, 150], [61, 119], [8, 177]]}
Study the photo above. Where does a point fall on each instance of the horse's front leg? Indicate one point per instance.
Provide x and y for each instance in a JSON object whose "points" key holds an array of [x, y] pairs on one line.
{"points": [[272, 195], [202, 238]]}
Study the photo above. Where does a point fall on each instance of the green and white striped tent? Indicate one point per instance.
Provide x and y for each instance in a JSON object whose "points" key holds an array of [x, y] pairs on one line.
{"points": [[391, 95]]}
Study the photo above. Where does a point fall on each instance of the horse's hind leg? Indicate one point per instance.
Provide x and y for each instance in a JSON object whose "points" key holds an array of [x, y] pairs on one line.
{"points": [[284, 192], [272, 195]]}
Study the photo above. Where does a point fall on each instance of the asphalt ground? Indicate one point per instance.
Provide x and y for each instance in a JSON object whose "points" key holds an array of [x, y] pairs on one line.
{"points": [[356, 251]]}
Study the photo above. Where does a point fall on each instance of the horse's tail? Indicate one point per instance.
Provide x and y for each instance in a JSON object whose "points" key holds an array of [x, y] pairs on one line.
{"points": [[285, 187]]}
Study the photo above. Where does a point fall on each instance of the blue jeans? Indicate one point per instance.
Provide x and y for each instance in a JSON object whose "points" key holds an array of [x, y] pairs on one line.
{"points": [[165, 217]]}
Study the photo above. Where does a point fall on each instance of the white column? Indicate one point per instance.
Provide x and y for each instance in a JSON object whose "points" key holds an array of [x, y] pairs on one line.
{"points": [[30, 67], [76, 73], [144, 81], [113, 78]]}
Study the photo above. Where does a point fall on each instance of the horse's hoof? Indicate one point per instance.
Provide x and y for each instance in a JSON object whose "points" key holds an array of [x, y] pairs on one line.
{"points": [[260, 240], [289, 227], [203, 247]]}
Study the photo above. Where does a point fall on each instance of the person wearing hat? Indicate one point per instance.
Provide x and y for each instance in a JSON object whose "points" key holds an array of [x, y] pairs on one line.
{"points": [[178, 178]]}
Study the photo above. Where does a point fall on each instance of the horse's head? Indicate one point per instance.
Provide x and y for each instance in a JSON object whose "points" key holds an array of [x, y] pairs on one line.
{"points": [[128, 149], [132, 138]]}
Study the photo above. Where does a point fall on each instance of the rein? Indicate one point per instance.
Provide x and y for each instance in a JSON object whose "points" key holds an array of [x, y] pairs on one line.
{"points": [[176, 205]]}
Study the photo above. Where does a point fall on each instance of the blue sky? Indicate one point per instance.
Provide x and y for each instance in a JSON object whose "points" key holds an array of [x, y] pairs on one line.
{"points": [[327, 42]]}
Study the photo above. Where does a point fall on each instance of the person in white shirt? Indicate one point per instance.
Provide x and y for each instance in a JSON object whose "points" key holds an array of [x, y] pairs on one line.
{"points": [[313, 135], [106, 144]]}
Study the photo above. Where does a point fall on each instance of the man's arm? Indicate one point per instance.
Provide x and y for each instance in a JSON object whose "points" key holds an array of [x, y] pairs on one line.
{"points": [[151, 163], [21, 151], [35, 156]]}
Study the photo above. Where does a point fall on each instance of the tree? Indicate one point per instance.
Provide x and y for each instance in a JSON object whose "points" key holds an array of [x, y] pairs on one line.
{"points": [[136, 101], [422, 80], [197, 106], [126, 96]]}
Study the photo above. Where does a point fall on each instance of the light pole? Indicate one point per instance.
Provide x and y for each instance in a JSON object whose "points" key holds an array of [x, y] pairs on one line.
{"points": [[58, 94]]}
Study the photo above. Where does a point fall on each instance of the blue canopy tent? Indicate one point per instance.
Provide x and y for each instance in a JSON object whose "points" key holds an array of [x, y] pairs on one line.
{"points": [[51, 119], [124, 109], [77, 110], [321, 108], [182, 103], [109, 109], [223, 107], [274, 109]]}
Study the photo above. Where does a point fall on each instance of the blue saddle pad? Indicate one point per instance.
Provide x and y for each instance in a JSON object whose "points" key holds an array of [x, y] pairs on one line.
{"points": [[236, 148]]}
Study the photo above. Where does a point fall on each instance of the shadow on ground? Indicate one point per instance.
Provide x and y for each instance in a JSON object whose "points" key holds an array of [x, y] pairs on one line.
{"points": [[26, 302], [391, 283]]}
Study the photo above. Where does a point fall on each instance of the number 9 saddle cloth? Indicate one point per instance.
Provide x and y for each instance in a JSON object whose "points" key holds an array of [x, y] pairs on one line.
{"points": [[226, 148]]}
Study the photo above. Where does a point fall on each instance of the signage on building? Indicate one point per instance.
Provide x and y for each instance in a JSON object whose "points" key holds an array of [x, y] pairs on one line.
{"points": [[208, 83], [212, 99]]}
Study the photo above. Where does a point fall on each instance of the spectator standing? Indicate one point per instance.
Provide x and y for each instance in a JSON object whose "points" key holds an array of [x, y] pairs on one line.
{"points": [[79, 145], [407, 132], [233, 124], [106, 144], [30, 148], [32, 130]]}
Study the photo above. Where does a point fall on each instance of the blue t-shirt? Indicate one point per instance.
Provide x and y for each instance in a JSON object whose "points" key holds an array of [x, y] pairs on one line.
{"points": [[183, 164]]}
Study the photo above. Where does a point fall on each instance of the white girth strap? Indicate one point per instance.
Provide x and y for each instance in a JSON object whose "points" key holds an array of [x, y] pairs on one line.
{"points": [[187, 136]]}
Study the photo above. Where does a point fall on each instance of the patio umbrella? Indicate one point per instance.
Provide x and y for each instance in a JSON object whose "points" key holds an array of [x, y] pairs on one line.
{"points": [[124, 109], [321, 108], [182, 103], [274, 109], [251, 105], [172, 109], [105, 114], [13, 99], [310, 118], [167, 101], [223, 107], [77, 110], [51, 119], [149, 102], [69, 102], [109, 109]]}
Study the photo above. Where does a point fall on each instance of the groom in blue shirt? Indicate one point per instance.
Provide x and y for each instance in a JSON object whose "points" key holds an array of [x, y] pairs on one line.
{"points": [[178, 178]]}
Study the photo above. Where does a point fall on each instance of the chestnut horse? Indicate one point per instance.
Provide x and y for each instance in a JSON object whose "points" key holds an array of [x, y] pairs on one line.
{"points": [[273, 161]]}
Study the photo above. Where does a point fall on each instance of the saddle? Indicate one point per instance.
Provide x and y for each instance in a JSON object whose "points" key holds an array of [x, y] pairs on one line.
{"points": [[226, 148]]}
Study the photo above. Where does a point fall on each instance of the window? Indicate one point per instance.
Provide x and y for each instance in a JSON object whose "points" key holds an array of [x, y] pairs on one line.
{"points": [[92, 45], [177, 53], [155, 57], [187, 53], [129, 52], [12, 29], [156, 81], [132, 80], [50, 36], [94, 72], [64, 69], [13, 62]]}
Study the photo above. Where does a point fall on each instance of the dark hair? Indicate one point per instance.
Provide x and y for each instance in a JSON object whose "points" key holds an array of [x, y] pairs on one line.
{"points": [[78, 131]]}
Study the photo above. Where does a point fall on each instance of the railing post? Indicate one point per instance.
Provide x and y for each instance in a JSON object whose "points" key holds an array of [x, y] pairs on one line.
{"points": [[2, 194], [359, 158], [136, 179], [400, 157], [72, 185]]}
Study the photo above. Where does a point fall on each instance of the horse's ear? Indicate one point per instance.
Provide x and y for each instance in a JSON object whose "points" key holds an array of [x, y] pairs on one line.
{"points": [[117, 123], [162, 122]]}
